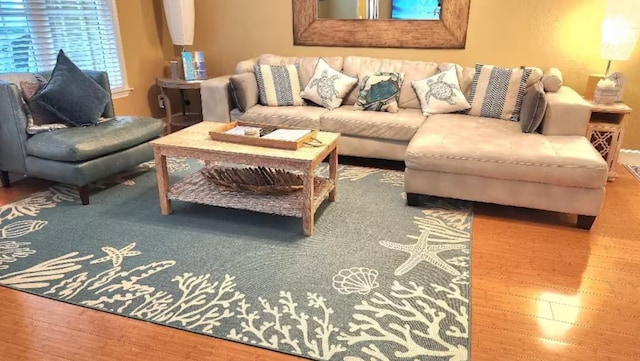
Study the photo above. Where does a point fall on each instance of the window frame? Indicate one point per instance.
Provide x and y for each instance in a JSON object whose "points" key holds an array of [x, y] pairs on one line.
{"points": [[123, 89]]}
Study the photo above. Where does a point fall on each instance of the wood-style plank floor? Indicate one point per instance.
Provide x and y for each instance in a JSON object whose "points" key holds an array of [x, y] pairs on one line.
{"points": [[541, 290]]}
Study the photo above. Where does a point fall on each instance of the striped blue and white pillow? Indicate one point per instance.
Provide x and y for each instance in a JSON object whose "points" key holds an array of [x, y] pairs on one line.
{"points": [[497, 92], [279, 85]]}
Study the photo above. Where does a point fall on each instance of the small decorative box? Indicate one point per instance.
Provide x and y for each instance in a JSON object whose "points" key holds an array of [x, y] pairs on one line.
{"points": [[605, 96]]}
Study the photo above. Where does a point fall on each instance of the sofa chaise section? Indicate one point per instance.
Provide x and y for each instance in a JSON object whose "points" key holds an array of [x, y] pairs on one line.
{"points": [[481, 159]]}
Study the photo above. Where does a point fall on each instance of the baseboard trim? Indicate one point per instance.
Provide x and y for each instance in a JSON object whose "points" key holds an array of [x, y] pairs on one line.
{"points": [[629, 156]]}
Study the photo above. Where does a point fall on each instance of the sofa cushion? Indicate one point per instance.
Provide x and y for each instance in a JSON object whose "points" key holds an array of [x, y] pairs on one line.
{"points": [[441, 93], [328, 86], [39, 119], [359, 66], [379, 91], [72, 95], [307, 117], [306, 65], [497, 92], [534, 105], [77, 144], [244, 90], [278, 85], [399, 126], [485, 147]]}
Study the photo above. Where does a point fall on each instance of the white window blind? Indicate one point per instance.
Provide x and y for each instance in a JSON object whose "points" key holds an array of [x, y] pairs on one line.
{"points": [[33, 31]]}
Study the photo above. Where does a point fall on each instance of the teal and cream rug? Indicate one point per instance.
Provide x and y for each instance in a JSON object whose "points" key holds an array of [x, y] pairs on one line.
{"points": [[634, 170], [378, 280]]}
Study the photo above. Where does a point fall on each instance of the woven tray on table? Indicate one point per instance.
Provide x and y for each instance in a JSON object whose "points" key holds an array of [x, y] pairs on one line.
{"points": [[254, 179]]}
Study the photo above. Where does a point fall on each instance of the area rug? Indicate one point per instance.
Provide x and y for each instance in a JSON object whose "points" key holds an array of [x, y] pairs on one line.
{"points": [[378, 280], [634, 170]]}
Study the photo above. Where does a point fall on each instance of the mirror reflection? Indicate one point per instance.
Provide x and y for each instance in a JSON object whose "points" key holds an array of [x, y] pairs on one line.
{"points": [[380, 9]]}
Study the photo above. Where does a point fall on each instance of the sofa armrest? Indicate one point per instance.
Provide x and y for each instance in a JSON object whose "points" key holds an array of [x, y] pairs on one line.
{"points": [[217, 101], [567, 113]]}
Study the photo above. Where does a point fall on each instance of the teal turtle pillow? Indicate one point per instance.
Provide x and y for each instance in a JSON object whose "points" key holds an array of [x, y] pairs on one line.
{"points": [[379, 92], [440, 93]]}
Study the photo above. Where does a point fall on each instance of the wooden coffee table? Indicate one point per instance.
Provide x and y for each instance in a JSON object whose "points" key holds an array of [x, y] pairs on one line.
{"points": [[194, 142]]}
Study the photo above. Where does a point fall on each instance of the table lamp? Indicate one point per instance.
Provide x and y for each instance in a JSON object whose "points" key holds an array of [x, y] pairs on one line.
{"points": [[620, 31], [180, 15]]}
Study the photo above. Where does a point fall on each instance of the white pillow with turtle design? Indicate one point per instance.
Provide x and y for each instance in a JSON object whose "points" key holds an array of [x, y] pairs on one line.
{"points": [[440, 93], [327, 86]]}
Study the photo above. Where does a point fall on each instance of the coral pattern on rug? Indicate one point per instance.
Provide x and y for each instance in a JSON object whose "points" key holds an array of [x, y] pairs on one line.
{"points": [[364, 312]]}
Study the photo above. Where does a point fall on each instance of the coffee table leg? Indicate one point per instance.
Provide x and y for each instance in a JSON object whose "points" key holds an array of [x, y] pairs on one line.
{"points": [[307, 202], [333, 174], [163, 181]]}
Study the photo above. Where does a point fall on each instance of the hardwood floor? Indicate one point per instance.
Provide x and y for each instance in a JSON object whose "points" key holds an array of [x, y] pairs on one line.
{"points": [[541, 290]]}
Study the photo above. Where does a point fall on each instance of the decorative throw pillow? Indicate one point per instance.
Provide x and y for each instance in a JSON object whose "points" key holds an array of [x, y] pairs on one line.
{"points": [[72, 95], [440, 93], [534, 105], [552, 80], [278, 85], [244, 90], [39, 119], [327, 86], [380, 92], [497, 92]]}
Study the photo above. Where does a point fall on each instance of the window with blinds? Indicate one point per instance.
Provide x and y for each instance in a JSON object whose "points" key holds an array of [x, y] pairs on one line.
{"points": [[33, 31]]}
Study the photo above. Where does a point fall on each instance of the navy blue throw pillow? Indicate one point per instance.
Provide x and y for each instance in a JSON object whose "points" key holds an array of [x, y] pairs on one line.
{"points": [[71, 95]]}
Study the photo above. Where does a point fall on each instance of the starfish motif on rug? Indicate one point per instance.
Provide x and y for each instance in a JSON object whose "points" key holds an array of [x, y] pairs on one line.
{"points": [[423, 251], [117, 255]]}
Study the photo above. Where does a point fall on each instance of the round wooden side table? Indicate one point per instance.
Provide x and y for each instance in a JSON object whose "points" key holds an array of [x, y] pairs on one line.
{"points": [[185, 117]]}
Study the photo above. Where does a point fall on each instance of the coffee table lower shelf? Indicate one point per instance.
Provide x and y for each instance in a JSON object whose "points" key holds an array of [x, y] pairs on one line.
{"points": [[195, 188]]}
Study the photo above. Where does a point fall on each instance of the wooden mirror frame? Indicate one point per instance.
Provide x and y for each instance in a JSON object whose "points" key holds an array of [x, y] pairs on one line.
{"points": [[450, 32]]}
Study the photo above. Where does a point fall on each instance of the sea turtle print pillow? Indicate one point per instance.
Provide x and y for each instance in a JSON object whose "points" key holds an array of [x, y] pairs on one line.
{"points": [[440, 93], [327, 86], [380, 92]]}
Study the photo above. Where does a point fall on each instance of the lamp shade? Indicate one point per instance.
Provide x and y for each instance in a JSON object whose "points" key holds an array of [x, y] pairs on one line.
{"points": [[620, 29], [181, 15]]}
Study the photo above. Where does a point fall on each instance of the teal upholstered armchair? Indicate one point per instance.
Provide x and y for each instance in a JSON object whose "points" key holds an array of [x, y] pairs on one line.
{"points": [[76, 156]]}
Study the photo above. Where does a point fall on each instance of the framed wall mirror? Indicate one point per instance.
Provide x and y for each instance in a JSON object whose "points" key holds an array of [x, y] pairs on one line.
{"points": [[365, 23]]}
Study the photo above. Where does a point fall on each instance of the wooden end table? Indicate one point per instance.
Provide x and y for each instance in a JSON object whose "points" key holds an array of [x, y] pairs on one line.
{"points": [[194, 142], [605, 132], [185, 118]]}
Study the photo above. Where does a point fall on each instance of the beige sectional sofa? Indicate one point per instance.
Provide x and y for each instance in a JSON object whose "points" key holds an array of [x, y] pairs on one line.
{"points": [[449, 155]]}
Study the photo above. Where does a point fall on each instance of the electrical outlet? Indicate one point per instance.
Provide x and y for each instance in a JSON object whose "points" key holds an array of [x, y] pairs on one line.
{"points": [[160, 101]]}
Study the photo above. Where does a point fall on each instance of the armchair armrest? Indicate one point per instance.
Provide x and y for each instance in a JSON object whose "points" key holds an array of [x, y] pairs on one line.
{"points": [[13, 125], [567, 113], [217, 101]]}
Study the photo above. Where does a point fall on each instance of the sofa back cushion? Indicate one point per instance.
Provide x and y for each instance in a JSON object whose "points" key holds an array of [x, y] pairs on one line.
{"points": [[306, 65], [358, 66]]}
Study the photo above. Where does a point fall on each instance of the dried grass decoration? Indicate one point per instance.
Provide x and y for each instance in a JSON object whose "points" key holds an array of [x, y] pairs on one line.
{"points": [[255, 179]]}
